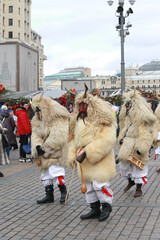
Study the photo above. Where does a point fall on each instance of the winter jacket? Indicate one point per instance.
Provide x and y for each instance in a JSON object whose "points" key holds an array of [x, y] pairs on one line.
{"points": [[9, 123], [23, 123]]}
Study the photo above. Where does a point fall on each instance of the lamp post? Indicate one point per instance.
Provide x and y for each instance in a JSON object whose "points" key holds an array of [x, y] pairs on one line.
{"points": [[123, 31]]}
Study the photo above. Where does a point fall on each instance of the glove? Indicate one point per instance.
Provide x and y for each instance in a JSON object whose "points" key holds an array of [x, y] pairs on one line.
{"points": [[121, 142], [116, 160], [39, 150], [139, 153], [81, 157]]}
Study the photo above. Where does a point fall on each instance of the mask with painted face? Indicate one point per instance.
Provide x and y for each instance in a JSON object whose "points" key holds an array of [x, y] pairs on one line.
{"points": [[82, 111], [128, 106]]}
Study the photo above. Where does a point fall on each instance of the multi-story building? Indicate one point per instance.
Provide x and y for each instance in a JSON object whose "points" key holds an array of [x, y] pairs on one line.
{"points": [[84, 70], [15, 25]]}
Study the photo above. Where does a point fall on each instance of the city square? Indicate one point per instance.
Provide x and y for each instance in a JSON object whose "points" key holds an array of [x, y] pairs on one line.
{"points": [[22, 218]]}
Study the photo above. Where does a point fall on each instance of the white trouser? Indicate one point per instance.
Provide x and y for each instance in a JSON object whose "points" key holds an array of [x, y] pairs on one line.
{"points": [[129, 171], [98, 191], [53, 175]]}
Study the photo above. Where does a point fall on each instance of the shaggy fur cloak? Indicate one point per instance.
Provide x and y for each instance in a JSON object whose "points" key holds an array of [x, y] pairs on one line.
{"points": [[136, 128], [157, 128], [97, 136], [50, 130]]}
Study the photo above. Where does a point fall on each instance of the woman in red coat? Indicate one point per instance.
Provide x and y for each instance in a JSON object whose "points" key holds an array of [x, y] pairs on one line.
{"points": [[24, 129]]}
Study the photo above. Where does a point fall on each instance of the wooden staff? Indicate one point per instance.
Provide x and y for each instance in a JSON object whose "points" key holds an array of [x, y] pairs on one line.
{"points": [[38, 162], [83, 188]]}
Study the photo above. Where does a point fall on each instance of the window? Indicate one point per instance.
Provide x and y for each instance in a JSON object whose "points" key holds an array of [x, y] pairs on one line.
{"points": [[10, 22], [19, 23], [10, 9], [10, 35], [148, 80]]}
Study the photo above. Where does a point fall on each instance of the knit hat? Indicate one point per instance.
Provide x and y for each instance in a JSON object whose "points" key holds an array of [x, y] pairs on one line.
{"points": [[4, 108]]}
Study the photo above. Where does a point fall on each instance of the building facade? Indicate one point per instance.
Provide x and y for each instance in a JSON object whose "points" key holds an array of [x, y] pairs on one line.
{"points": [[15, 26], [18, 67]]}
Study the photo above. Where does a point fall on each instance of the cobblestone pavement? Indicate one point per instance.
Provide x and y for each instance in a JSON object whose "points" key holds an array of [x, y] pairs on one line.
{"points": [[21, 218]]}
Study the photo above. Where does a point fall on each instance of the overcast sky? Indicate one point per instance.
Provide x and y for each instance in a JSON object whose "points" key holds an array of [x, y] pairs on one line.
{"points": [[82, 33]]}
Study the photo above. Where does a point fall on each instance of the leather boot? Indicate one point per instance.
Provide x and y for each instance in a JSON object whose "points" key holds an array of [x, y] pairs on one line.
{"points": [[106, 210], [49, 195], [138, 192], [94, 213], [63, 191], [130, 184], [158, 170]]}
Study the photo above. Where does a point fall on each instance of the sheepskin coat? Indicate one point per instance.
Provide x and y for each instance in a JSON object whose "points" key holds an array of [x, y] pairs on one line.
{"points": [[156, 143], [50, 129], [136, 128], [97, 136]]}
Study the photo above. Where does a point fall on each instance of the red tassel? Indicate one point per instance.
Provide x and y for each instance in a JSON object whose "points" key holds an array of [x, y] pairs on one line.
{"points": [[104, 190], [60, 180], [143, 178]]}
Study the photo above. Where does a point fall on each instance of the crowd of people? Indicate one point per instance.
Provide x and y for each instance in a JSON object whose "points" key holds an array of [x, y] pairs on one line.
{"points": [[84, 136]]}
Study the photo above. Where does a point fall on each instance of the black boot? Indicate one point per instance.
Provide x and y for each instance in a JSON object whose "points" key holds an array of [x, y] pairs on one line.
{"points": [[94, 213], [49, 195], [63, 191], [106, 210], [130, 184], [1, 174], [138, 192]]}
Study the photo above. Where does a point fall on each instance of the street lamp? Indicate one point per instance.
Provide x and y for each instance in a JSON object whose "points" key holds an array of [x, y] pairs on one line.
{"points": [[122, 33]]}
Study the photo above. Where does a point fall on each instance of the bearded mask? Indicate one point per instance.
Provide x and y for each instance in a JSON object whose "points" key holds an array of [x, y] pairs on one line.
{"points": [[128, 106]]}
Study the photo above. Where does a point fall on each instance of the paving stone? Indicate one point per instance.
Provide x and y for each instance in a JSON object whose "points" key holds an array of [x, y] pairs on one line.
{"points": [[21, 218]]}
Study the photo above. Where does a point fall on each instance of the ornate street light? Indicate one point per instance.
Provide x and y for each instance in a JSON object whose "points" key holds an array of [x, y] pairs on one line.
{"points": [[122, 33]]}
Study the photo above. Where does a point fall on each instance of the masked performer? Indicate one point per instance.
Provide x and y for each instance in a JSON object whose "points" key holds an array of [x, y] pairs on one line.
{"points": [[49, 144], [156, 141], [137, 123], [91, 148]]}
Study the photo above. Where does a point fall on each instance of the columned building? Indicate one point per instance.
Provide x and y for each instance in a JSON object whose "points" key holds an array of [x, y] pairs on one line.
{"points": [[15, 26]]}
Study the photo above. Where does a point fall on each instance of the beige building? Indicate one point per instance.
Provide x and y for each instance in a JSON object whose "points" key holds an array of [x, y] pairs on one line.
{"points": [[15, 25]]}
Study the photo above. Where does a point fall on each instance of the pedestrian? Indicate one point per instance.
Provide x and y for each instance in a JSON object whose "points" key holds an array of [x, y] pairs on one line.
{"points": [[3, 155], [91, 148], [15, 145], [137, 124], [24, 129], [8, 122], [50, 128]]}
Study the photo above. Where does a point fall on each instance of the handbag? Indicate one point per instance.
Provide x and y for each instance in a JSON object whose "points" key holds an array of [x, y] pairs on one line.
{"points": [[27, 147], [5, 142]]}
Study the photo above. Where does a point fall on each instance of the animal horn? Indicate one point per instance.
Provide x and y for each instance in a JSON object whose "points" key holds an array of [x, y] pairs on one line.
{"points": [[70, 92], [41, 96], [86, 89]]}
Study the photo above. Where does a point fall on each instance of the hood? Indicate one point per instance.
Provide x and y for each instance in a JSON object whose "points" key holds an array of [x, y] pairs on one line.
{"points": [[19, 111], [49, 109]]}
